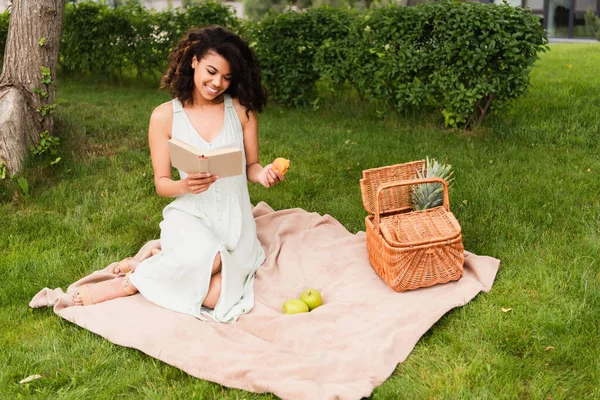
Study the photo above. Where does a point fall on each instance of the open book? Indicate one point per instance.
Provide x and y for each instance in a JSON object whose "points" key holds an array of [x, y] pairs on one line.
{"points": [[224, 161]]}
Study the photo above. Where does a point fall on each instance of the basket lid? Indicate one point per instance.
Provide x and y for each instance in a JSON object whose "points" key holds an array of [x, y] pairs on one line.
{"points": [[420, 227], [395, 199]]}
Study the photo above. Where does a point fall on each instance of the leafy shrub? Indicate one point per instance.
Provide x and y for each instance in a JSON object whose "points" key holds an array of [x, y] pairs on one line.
{"points": [[100, 39], [286, 45], [462, 58], [94, 38]]}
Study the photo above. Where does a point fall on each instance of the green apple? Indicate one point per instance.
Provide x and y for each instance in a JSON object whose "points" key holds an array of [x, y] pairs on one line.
{"points": [[312, 298], [294, 306]]}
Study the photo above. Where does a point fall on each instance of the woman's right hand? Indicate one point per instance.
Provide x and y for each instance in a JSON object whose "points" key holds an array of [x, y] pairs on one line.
{"points": [[198, 183]]}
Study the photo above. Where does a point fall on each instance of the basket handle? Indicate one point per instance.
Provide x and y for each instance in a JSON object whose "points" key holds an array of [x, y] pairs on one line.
{"points": [[417, 181]]}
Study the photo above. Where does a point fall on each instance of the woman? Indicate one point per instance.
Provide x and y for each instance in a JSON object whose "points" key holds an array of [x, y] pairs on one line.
{"points": [[209, 248]]}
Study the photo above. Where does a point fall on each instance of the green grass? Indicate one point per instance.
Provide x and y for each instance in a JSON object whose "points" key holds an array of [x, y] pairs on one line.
{"points": [[526, 192]]}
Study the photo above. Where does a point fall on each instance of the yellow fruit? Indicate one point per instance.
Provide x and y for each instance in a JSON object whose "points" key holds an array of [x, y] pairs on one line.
{"points": [[294, 306], [312, 298], [281, 165]]}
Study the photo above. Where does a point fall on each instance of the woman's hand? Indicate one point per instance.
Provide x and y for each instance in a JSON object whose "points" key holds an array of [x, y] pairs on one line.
{"points": [[198, 183], [269, 177]]}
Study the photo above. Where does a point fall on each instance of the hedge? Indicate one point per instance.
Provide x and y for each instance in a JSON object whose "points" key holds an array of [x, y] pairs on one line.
{"points": [[463, 59], [286, 45], [100, 39]]}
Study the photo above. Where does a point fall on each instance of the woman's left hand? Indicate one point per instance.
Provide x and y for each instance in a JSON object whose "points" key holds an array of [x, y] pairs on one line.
{"points": [[269, 177]]}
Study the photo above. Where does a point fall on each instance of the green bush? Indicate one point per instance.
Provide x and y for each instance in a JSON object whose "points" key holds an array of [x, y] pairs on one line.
{"points": [[100, 39], [461, 58], [286, 45], [94, 39]]}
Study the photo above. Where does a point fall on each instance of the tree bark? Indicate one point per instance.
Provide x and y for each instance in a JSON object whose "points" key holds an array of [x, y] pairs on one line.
{"points": [[32, 42]]}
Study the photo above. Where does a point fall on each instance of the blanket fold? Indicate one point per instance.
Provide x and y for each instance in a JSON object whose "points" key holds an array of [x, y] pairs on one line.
{"points": [[341, 350]]}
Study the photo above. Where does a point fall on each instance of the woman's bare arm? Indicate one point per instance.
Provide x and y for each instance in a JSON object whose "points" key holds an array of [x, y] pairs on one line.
{"points": [[255, 172]]}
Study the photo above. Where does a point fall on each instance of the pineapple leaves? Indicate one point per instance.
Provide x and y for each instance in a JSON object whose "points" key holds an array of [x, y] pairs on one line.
{"points": [[431, 195]]}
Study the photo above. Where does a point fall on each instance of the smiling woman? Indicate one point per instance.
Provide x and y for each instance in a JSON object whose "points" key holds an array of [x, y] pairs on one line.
{"points": [[208, 253]]}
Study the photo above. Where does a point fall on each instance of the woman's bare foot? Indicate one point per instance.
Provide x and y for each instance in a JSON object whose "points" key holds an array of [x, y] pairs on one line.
{"points": [[103, 291]]}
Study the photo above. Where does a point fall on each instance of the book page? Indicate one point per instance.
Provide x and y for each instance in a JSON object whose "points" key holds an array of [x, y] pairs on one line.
{"points": [[225, 162], [185, 157], [185, 146]]}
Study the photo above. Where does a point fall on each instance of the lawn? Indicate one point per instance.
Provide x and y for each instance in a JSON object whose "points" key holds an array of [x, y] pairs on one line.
{"points": [[526, 192]]}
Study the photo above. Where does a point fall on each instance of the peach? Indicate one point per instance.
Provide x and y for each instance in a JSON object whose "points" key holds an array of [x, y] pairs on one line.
{"points": [[281, 164]]}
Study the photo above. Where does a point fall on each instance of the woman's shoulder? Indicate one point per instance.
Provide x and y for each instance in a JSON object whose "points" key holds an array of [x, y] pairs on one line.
{"points": [[163, 113], [161, 121], [241, 111]]}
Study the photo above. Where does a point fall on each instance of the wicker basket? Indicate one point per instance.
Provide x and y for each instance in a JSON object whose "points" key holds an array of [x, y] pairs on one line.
{"points": [[409, 249]]}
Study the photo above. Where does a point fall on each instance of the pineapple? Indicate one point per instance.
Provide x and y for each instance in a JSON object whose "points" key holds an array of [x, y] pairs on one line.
{"points": [[431, 195]]}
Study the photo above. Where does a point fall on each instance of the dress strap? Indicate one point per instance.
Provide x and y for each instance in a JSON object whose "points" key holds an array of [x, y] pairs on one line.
{"points": [[177, 106], [228, 100]]}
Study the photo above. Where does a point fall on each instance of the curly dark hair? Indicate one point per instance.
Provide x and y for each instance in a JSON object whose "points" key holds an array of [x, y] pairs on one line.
{"points": [[246, 84]]}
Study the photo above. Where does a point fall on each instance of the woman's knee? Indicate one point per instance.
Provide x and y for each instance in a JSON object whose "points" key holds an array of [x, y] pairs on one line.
{"points": [[216, 264], [214, 291]]}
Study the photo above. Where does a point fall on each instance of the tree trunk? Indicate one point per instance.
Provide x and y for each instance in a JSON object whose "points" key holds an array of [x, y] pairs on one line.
{"points": [[32, 43]]}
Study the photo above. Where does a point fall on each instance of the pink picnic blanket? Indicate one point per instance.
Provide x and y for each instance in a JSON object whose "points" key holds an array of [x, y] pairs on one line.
{"points": [[341, 350]]}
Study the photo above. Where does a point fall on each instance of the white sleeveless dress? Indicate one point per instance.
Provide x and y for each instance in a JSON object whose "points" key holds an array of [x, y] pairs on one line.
{"points": [[197, 226]]}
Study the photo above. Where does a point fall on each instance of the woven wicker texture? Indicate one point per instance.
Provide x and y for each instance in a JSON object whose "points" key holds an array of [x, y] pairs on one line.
{"points": [[398, 198], [409, 249], [420, 227]]}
